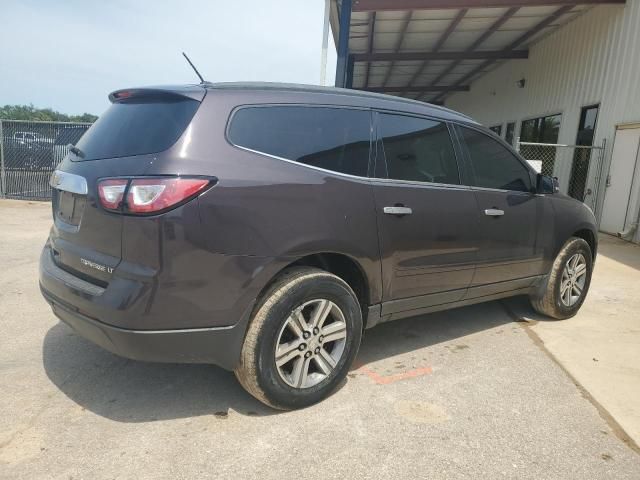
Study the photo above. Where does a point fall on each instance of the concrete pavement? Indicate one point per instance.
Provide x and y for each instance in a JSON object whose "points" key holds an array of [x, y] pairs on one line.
{"points": [[600, 347], [459, 394]]}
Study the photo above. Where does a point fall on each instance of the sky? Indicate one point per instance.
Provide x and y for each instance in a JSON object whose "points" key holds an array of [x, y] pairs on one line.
{"points": [[70, 54]]}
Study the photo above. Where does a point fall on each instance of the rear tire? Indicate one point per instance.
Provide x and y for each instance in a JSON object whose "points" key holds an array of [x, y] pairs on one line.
{"points": [[568, 283], [302, 339]]}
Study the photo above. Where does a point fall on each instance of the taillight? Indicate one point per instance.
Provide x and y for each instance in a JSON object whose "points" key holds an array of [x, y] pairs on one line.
{"points": [[111, 192], [154, 194], [148, 195]]}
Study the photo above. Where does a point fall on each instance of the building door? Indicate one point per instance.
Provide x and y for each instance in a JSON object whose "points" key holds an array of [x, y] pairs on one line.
{"points": [[616, 211], [582, 156]]}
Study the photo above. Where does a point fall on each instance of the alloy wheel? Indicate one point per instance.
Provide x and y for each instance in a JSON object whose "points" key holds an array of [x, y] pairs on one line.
{"points": [[310, 343], [574, 277]]}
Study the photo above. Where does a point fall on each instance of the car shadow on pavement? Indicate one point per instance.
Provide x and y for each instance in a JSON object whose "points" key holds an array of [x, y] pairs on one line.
{"points": [[521, 311], [410, 334], [130, 391]]}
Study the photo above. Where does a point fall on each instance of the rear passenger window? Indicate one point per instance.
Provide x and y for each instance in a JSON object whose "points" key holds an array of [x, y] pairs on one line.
{"points": [[418, 149], [495, 166], [335, 139]]}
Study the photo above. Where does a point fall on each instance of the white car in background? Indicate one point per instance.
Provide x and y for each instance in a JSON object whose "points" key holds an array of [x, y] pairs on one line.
{"points": [[31, 138]]}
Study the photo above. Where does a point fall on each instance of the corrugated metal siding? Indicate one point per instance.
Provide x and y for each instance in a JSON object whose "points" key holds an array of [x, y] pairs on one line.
{"points": [[594, 59]]}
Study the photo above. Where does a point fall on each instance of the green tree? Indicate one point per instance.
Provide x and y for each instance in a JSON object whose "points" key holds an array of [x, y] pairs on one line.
{"points": [[29, 112]]}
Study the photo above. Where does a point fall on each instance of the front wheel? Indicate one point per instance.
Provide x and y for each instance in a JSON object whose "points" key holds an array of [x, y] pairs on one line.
{"points": [[302, 339], [568, 282]]}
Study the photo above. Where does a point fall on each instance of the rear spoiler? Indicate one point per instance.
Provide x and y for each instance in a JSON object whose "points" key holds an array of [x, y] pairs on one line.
{"points": [[194, 92]]}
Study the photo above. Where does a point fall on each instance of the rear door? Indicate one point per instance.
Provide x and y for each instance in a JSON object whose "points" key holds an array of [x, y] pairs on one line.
{"points": [[427, 220], [85, 238], [508, 212]]}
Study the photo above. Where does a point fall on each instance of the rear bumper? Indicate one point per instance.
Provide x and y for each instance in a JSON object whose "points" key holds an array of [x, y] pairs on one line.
{"points": [[220, 346], [131, 319]]}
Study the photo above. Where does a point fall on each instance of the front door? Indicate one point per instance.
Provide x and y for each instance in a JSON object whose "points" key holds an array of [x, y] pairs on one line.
{"points": [[427, 220], [509, 212]]}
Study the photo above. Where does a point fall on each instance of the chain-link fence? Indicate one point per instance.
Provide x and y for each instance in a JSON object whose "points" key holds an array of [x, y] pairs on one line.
{"points": [[29, 152], [577, 167]]}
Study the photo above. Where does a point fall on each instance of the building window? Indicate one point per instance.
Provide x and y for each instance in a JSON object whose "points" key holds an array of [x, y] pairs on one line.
{"points": [[541, 129], [582, 156], [497, 129], [510, 133]]}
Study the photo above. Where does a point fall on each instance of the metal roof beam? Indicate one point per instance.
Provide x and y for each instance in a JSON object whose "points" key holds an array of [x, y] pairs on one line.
{"points": [[403, 30], [423, 89], [479, 41], [372, 29], [443, 38], [522, 38], [381, 5], [539, 26], [466, 55]]}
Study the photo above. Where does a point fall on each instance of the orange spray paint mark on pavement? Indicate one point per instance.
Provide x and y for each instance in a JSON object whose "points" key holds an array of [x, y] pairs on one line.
{"points": [[387, 379]]}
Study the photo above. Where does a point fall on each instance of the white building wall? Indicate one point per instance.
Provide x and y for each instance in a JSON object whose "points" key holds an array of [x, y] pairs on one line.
{"points": [[593, 60]]}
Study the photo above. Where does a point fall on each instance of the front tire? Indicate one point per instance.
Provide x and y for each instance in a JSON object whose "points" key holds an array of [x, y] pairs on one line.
{"points": [[568, 283], [302, 339]]}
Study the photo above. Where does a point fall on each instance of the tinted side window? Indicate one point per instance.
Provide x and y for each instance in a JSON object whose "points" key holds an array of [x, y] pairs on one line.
{"points": [[335, 139], [418, 149], [495, 166]]}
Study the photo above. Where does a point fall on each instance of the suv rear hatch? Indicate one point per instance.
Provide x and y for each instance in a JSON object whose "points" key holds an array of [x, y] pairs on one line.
{"points": [[124, 141]]}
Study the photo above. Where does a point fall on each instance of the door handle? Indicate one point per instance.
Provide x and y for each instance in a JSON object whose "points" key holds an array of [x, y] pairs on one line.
{"points": [[494, 212], [397, 210]]}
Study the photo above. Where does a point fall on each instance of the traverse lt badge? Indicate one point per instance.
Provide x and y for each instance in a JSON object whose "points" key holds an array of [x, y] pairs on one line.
{"points": [[97, 266]]}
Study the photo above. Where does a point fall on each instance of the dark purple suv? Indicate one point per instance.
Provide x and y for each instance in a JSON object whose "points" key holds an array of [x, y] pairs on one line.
{"points": [[263, 227]]}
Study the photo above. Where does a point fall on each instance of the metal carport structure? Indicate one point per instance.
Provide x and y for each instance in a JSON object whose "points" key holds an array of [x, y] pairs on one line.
{"points": [[428, 49]]}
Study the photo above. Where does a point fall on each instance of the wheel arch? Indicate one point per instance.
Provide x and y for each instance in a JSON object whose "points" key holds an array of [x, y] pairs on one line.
{"points": [[343, 266], [590, 237]]}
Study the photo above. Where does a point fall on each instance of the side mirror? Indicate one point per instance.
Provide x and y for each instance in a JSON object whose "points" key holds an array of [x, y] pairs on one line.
{"points": [[546, 184]]}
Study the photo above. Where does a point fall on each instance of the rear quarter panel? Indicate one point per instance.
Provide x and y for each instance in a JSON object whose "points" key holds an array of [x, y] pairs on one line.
{"points": [[268, 207]]}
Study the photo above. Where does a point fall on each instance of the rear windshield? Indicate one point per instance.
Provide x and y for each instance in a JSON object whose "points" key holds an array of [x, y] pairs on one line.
{"points": [[137, 127]]}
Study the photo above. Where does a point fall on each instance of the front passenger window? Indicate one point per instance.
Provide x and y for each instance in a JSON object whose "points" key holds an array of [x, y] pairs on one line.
{"points": [[418, 149], [495, 166]]}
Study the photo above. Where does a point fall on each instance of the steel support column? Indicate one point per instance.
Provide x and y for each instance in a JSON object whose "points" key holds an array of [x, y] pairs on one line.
{"points": [[350, 66], [325, 43], [343, 44]]}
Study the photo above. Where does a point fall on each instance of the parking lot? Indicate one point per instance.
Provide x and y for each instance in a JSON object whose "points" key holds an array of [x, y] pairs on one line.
{"points": [[489, 391]]}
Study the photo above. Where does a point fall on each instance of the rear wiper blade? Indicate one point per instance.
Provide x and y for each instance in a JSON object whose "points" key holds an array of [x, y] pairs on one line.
{"points": [[75, 150]]}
